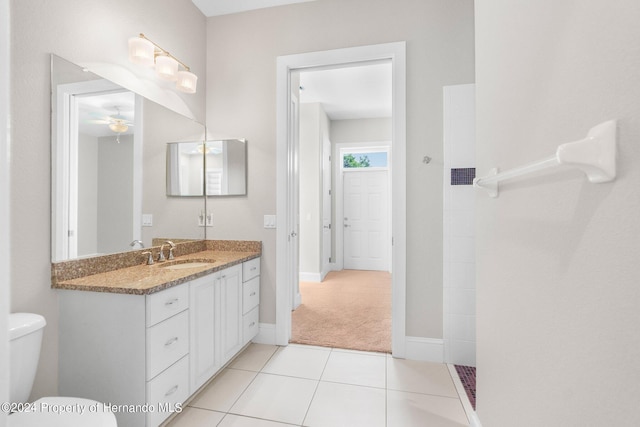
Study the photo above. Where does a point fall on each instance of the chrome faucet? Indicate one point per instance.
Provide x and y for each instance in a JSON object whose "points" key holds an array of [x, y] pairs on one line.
{"points": [[171, 247], [137, 242], [161, 257], [149, 257]]}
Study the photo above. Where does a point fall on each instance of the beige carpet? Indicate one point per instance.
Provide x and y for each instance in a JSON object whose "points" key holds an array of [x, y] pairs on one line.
{"points": [[350, 309]]}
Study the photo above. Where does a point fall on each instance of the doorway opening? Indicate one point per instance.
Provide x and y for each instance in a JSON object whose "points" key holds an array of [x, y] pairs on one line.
{"points": [[289, 215], [344, 294]]}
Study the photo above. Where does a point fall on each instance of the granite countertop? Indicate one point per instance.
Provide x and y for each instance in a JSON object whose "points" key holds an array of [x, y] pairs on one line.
{"points": [[147, 279]]}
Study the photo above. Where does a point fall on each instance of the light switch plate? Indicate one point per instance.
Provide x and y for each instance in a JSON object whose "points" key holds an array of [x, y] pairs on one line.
{"points": [[269, 221]]}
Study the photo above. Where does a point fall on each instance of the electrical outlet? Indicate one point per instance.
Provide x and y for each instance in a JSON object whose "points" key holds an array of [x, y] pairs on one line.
{"points": [[201, 219], [147, 220], [209, 219], [269, 221]]}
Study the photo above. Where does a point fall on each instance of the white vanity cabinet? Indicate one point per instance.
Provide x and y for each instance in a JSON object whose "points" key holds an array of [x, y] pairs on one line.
{"points": [[130, 351], [154, 351], [219, 304], [203, 321], [230, 312], [250, 299]]}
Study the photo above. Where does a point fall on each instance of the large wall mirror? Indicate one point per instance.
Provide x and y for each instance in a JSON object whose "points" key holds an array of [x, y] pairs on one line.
{"points": [[109, 167]]}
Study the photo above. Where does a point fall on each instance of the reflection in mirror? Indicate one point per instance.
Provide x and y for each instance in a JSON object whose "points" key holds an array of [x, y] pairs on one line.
{"points": [[185, 163], [225, 162], [226, 165], [108, 167]]}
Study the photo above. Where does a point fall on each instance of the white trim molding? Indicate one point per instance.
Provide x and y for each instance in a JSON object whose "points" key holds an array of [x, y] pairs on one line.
{"points": [[311, 277], [266, 334], [396, 54], [5, 229], [425, 349]]}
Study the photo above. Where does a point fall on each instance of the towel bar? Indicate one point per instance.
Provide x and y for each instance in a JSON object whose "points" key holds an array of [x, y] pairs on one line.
{"points": [[595, 156]]}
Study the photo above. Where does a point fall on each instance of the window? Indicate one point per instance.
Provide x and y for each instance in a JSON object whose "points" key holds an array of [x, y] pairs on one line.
{"points": [[364, 159]]}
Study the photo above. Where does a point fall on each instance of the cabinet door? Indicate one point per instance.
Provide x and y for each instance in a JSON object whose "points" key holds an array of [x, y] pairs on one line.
{"points": [[231, 311], [202, 333]]}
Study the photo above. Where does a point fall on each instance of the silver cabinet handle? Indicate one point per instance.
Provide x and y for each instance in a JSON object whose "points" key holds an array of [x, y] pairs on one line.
{"points": [[171, 391], [171, 302], [294, 234], [346, 225], [252, 324], [253, 268], [171, 342], [252, 294]]}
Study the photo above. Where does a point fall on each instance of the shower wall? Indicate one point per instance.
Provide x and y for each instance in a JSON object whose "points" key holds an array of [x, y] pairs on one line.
{"points": [[459, 286]]}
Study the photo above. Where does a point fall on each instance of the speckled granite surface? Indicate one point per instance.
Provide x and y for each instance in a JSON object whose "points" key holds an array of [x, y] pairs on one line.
{"points": [[128, 273]]}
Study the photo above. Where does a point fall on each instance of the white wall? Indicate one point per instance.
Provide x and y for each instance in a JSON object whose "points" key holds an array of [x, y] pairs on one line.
{"points": [[87, 234], [360, 130], [4, 206], [115, 204], [459, 226], [557, 257], [241, 98], [173, 217], [314, 124], [88, 31]]}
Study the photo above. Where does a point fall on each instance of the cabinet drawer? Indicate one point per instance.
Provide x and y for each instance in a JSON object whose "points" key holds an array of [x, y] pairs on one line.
{"points": [[250, 325], [250, 269], [250, 294], [165, 304], [167, 342], [167, 390]]}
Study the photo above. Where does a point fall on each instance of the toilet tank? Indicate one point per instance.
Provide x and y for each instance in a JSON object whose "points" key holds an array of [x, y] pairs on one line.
{"points": [[25, 339]]}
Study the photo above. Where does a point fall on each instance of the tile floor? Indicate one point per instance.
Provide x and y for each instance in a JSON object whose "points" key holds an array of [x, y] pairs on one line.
{"points": [[270, 386]]}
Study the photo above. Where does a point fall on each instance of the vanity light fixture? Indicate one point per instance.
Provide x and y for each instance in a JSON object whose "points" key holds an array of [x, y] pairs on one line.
{"points": [[143, 51]]}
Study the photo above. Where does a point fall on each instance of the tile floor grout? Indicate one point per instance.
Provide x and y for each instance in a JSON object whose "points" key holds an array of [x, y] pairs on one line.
{"points": [[398, 391]]}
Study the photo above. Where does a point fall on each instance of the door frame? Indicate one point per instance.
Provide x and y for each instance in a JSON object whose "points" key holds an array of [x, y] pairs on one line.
{"points": [[287, 177], [64, 149]]}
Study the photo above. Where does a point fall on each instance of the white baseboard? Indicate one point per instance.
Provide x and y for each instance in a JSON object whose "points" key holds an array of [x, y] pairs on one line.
{"points": [[425, 349], [266, 334], [297, 300], [475, 421], [310, 277]]}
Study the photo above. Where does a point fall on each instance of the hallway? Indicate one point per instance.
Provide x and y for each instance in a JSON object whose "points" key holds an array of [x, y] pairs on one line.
{"points": [[350, 309]]}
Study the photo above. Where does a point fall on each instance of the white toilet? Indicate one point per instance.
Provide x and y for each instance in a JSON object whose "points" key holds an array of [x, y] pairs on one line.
{"points": [[25, 338]]}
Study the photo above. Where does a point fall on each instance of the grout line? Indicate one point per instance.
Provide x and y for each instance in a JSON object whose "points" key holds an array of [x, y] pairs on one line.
{"points": [[316, 390], [386, 391]]}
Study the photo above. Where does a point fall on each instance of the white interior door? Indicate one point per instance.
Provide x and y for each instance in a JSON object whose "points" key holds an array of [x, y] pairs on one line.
{"points": [[366, 220], [326, 206]]}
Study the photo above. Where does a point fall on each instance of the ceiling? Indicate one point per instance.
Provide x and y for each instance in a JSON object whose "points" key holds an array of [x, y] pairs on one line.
{"points": [[226, 7], [96, 112], [356, 92]]}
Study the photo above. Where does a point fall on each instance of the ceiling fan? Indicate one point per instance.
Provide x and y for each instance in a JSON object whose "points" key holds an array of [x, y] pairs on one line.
{"points": [[117, 123]]}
